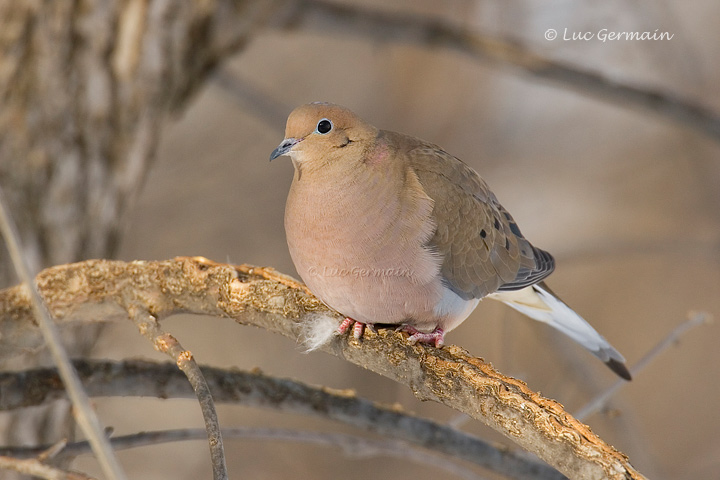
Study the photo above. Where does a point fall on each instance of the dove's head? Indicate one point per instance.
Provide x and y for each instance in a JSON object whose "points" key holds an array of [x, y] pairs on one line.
{"points": [[318, 133]]}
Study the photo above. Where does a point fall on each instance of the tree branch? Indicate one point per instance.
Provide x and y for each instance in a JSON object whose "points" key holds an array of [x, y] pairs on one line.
{"points": [[85, 87], [38, 469], [348, 19], [600, 401], [276, 302], [83, 412], [167, 344], [254, 389], [353, 445]]}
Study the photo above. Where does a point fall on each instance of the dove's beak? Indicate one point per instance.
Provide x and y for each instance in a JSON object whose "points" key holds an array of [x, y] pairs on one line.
{"points": [[284, 148]]}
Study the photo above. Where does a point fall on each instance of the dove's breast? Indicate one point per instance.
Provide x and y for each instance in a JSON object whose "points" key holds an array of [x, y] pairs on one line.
{"points": [[359, 242]]}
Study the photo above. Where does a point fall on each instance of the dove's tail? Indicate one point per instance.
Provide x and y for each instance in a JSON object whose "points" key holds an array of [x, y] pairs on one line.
{"points": [[540, 303]]}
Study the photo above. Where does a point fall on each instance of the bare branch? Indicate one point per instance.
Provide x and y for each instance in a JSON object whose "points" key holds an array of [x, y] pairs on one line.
{"points": [[167, 344], [349, 19], [36, 468], [276, 302], [599, 402], [53, 450], [85, 415], [139, 378], [85, 88], [353, 445], [252, 99]]}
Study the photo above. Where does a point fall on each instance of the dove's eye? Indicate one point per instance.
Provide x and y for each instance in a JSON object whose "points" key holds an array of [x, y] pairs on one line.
{"points": [[324, 126]]}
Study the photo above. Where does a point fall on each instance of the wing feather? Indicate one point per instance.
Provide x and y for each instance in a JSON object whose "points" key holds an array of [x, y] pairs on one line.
{"points": [[482, 248]]}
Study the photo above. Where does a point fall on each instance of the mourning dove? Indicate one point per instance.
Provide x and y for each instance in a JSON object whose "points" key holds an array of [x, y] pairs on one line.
{"points": [[386, 228]]}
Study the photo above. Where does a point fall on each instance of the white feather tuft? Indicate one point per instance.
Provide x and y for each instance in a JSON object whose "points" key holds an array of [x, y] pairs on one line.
{"points": [[317, 331]]}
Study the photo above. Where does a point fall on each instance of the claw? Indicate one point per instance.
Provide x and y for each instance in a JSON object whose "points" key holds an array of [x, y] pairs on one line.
{"points": [[358, 328], [436, 337], [344, 326]]}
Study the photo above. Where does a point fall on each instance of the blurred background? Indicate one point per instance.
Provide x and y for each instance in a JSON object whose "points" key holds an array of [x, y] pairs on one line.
{"points": [[628, 202]]}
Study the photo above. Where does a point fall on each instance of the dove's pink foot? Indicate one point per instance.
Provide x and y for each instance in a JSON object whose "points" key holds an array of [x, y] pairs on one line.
{"points": [[358, 328], [436, 337]]}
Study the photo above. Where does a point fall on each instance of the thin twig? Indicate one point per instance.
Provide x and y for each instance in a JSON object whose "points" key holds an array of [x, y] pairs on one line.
{"points": [[36, 468], [599, 402], [251, 98], [53, 450], [255, 389], [166, 343], [85, 415], [352, 445], [350, 19]]}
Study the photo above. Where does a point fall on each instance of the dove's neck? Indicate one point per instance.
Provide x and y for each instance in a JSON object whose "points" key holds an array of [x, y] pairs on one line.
{"points": [[342, 197]]}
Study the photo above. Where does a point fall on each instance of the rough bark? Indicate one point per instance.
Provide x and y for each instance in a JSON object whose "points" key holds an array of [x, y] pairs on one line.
{"points": [[85, 86], [255, 389], [100, 290]]}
